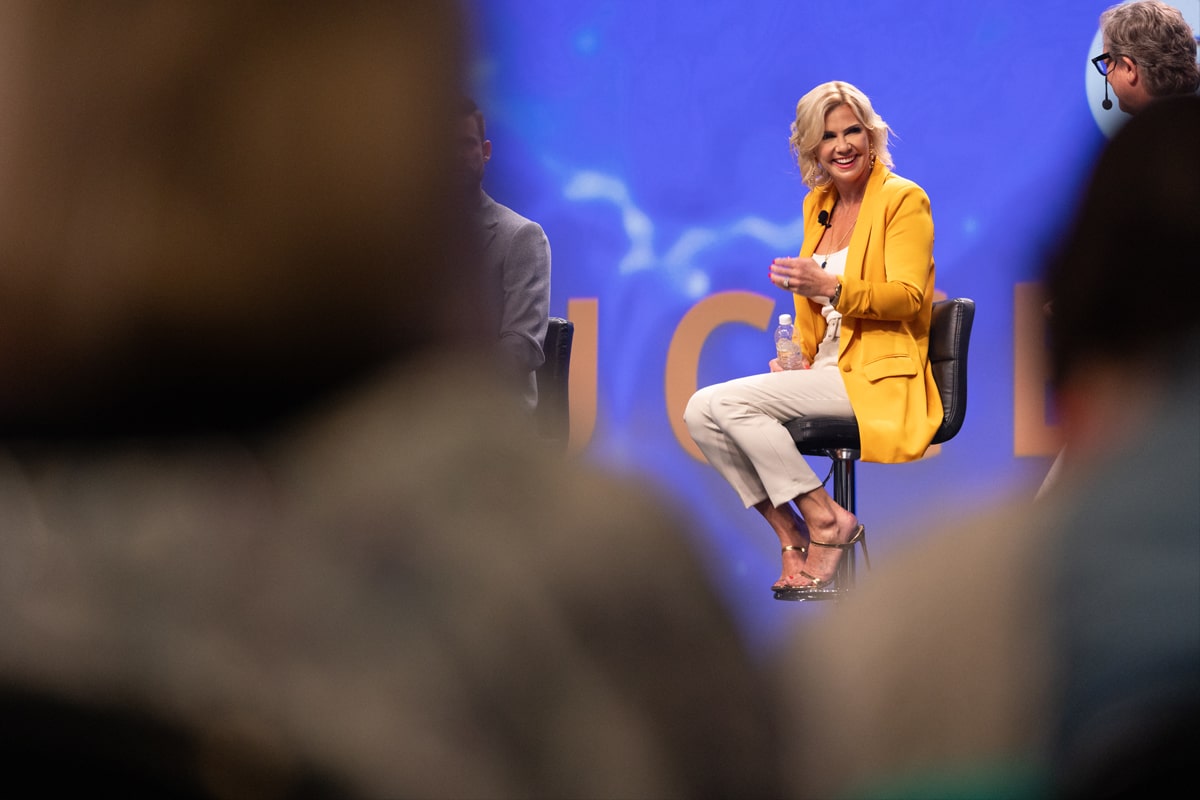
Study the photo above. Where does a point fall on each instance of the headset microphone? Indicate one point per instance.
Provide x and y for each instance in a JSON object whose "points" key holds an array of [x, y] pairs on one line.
{"points": [[1106, 104]]}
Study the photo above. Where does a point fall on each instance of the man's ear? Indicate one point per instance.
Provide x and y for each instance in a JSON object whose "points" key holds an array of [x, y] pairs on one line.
{"points": [[487, 149], [1131, 68]]}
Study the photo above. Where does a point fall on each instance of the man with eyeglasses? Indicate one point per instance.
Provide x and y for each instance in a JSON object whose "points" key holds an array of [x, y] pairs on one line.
{"points": [[1149, 52]]}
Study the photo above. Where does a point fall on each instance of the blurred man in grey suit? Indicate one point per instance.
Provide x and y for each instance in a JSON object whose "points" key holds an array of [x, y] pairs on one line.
{"points": [[516, 261]]}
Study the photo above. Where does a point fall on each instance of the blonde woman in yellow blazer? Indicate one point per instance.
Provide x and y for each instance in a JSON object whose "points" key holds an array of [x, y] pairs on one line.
{"points": [[863, 286]]}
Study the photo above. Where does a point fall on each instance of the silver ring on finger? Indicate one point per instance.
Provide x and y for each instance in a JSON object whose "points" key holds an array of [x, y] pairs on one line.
{"points": [[787, 283]]}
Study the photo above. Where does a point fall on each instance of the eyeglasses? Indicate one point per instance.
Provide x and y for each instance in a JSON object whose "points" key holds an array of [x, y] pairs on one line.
{"points": [[1103, 63]]}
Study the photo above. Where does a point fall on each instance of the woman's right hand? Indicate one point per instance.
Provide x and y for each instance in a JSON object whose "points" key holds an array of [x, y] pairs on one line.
{"points": [[775, 366]]}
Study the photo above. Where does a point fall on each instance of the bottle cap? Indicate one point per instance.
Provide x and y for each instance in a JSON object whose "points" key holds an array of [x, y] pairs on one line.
{"points": [[785, 319]]}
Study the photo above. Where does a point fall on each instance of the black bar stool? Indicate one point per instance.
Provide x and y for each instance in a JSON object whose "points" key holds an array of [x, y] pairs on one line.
{"points": [[837, 438]]}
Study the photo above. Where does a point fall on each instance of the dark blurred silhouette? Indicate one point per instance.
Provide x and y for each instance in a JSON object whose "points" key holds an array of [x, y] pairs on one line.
{"points": [[1149, 53], [1126, 596], [1049, 649], [212, 212], [267, 531]]}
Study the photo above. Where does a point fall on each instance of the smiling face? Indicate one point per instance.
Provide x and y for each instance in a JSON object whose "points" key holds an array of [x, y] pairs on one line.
{"points": [[845, 148]]}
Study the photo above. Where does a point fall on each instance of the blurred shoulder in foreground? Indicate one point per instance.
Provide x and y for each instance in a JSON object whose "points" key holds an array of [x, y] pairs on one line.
{"points": [[268, 532], [1050, 649]]}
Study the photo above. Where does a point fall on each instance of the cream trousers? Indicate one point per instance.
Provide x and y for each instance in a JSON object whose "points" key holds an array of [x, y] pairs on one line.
{"points": [[738, 425]]}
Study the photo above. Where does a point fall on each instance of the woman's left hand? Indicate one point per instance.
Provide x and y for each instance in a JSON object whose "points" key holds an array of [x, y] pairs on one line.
{"points": [[802, 276]]}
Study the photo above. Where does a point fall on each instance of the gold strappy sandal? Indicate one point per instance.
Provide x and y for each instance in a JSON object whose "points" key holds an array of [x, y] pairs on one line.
{"points": [[779, 585], [859, 537]]}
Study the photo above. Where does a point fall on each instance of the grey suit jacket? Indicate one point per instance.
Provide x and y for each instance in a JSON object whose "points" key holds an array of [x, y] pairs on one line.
{"points": [[516, 257]]}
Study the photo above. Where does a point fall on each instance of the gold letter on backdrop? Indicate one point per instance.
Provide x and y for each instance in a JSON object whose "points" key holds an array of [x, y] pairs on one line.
{"points": [[683, 356], [581, 383], [1032, 436]]}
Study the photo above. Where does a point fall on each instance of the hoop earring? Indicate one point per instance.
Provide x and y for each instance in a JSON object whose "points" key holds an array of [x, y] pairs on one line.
{"points": [[817, 182]]}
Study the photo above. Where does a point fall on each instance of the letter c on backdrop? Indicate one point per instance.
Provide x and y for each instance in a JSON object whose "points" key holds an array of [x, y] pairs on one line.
{"points": [[683, 356]]}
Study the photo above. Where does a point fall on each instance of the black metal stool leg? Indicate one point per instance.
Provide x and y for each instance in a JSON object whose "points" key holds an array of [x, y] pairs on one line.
{"points": [[843, 494]]}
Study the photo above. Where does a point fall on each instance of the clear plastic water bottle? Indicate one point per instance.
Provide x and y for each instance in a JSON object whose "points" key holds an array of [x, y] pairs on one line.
{"points": [[786, 348]]}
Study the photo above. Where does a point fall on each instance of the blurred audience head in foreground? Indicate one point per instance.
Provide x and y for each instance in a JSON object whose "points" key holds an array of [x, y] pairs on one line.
{"points": [[267, 531], [1049, 649]]}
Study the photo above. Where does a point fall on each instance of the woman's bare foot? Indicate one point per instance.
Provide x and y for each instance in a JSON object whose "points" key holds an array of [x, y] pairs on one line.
{"points": [[793, 540], [832, 530], [794, 560]]}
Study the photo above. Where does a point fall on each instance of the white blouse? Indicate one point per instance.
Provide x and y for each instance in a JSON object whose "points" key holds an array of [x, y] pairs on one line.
{"points": [[827, 350]]}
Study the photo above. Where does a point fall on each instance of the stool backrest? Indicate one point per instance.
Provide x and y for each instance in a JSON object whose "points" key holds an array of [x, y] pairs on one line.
{"points": [[553, 379], [949, 337]]}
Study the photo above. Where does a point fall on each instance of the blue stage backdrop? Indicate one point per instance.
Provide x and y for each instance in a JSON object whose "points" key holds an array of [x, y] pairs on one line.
{"points": [[649, 138]]}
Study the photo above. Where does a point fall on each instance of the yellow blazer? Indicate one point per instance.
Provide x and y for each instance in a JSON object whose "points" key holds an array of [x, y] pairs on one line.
{"points": [[886, 304]]}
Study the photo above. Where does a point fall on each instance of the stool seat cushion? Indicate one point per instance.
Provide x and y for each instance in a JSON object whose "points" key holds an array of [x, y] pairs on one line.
{"points": [[815, 435]]}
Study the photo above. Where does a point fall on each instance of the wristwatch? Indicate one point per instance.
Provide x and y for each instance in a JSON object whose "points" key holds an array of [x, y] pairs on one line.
{"points": [[837, 295]]}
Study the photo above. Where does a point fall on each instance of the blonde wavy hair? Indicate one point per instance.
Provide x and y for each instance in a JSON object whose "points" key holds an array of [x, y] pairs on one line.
{"points": [[809, 126]]}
